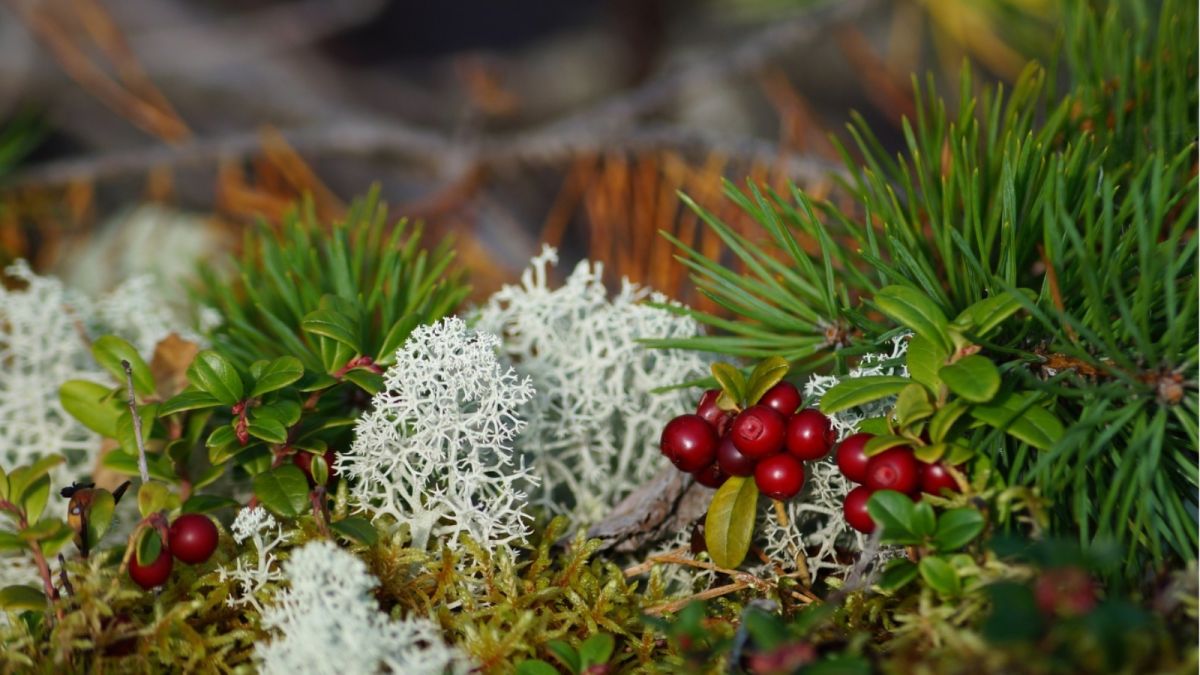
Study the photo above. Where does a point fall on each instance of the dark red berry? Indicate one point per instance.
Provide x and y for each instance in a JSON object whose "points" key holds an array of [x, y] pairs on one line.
{"points": [[784, 398], [193, 538], [1067, 591], [719, 419], [732, 461], [711, 476], [893, 469], [758, 432], [809, 434], [935, 478], [855, 509], [154, 574], [851, 459], [779, 477], [304, 459], [689, 442]]}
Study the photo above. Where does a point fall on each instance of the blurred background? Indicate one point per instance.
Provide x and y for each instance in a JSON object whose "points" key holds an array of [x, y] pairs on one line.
{"points": [[143, 135]]}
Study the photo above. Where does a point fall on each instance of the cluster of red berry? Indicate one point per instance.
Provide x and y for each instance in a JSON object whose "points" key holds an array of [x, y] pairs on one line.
{"points": [[192, 538], [893, 469], [768, 440]]}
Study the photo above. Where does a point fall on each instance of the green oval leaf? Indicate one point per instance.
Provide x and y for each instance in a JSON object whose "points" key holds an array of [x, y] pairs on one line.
{"points": [[768, 373], [924, 521], [732, 382], [930, 453], [214, 374], [974, 378], [913, 310], [283, 490], [565, 653], [856, 391], [188, 400], [940, 576], [22, 598], [92, 404], [127, 464], [596, 650], [893, 511], [912, 405], [277, 374], [207, 503], [99, 517], [34, 497], [369, 382], [897, 573], [334, 325], [285, 411], [358, 529], [1017, 415], [729, 524], [984, 316], [956, 528], [883, 442], [925, 358], [945, 417], [149, 546], [535, 667], [269, 430], [154, 497], [110, 350]]}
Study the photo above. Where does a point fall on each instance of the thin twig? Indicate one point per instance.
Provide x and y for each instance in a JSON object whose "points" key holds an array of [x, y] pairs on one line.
{"points": [[137, 423]]}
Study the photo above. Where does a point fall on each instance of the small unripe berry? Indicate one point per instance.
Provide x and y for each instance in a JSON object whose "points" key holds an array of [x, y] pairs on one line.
{"points": [[758, 432], [154, 574], [732, 461], [304, 460], [779, 477], [809, 434], [707, 408], [893, 469], [854, 508], [711, 476], [193, 538], [784, 398], [851, 459], [935, 478], [689, 442]]}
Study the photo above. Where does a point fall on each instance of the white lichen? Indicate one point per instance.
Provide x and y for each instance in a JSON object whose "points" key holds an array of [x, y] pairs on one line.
{"points": [[327, 623], [254, 573], [45, 334], [595, 422], [435, 451]]}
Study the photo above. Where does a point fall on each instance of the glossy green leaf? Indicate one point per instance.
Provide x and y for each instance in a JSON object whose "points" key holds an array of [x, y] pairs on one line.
{"points": [[110, 350], [596, 650], [127, 464], [940, 576], [768, 373], [42, 529], [856, 391], [277, 374], [974, 378], [214, 374], [956, 528], [207, 504], [10, 542], [912, 309], [981, 318], [154, 497], [285, 411], [931, 452], [283, 490], [923, 520], [358, 529], [925, 358], [34, 497], [334, 325], [729, 524], [732, 382], [535, 667], [883, 442], [184, 401], [943, 420], [1014, 413], [149, 547], [22, 598], [369, 382], [269, 430], [92, 404], [127, 432], [893, 512], [897, 573], [565, 654], [99, 517], [912, 405]]}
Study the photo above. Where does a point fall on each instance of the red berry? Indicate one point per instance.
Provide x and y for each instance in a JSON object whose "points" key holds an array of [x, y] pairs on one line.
{"points": [[733, 462], [783, 397], [935, 478], [855, 509], [719, 419], [711, 476], [809, 434], [851, 459], [689, 442], [193, 538], [1068, 591], [154, 574], [779, 477], [758, 431], [893, 469], [303, 459]]}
